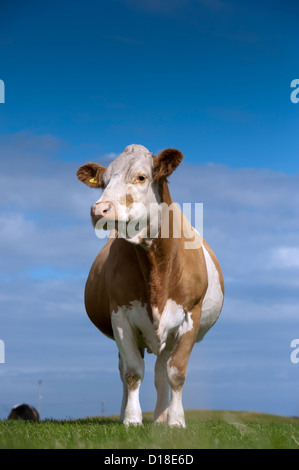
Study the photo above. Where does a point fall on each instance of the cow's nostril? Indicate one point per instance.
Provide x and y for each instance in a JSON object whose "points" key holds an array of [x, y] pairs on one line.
{"points": [[107, 209], [101, 209]]}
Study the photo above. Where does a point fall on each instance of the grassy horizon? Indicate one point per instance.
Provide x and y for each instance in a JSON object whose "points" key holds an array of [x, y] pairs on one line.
{"points": [[205, 429]]}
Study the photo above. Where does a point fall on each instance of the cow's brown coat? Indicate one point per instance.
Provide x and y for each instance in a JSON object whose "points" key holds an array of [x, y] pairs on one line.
{"points": [[123, 272]]}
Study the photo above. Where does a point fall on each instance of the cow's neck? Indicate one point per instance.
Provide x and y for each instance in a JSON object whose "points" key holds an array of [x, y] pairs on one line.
{"points": [[163, 259], [165, 256]]}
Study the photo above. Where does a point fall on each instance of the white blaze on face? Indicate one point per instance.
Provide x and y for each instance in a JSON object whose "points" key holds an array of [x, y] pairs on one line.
{"points": [[129, 187]]}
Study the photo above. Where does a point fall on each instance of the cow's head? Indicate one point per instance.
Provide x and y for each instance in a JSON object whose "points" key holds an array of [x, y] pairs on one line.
{"points": [[132, 189]]}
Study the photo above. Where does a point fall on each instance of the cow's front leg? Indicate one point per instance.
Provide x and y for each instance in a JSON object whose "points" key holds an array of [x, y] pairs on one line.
{"points": [[176, 377], [131, 367]]}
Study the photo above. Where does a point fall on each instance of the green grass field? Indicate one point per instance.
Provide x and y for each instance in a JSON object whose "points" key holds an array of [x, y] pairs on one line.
{"points": [[205, 430]]}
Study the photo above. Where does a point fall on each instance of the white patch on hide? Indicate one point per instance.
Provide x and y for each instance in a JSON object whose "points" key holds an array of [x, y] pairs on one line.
{"points": [[213, 300]]}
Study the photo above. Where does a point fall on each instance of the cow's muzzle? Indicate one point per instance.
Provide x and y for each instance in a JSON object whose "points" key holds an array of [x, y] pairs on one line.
{"points": [[102, 210]]}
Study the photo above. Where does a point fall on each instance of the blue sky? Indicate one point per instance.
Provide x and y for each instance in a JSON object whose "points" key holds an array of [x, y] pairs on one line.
{"points": [[82, 82]]}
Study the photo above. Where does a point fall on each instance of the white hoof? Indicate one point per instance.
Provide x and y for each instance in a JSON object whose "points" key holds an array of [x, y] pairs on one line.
{"points": [[132, 422], [177, 424]]}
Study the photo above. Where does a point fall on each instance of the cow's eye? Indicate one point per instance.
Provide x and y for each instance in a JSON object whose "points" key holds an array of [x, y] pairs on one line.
{"points": [[140, 178]]}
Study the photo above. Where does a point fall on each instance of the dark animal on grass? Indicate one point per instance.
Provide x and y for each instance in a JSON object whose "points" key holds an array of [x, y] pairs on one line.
{"points": [[25, 412]]}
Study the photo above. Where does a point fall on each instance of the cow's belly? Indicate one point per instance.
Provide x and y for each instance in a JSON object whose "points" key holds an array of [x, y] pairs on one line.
{"points": [[166, 327], [157, 335], [213, 300]]}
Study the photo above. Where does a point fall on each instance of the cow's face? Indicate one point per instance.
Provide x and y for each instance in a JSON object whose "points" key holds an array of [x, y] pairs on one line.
{"points": [[131, 189]]}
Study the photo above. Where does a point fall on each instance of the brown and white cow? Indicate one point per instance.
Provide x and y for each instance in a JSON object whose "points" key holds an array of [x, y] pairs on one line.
{"points": [[147, 290]]}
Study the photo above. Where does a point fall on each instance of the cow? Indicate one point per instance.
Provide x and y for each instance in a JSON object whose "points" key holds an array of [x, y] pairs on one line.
{"points": [[24, 412], [145, 290]]}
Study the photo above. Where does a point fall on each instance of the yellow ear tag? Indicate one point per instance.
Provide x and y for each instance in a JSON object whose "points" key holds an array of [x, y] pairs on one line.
{"points": [[93, 180]]}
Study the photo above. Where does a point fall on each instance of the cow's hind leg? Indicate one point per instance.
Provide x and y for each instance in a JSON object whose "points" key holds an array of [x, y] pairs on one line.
{"points": [[177, 369], [131, 367], [162, 387], [125, 387]]}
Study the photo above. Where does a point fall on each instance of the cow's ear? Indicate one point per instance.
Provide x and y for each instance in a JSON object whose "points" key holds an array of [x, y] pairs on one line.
{"points": [[91, 174], [167, 161]]}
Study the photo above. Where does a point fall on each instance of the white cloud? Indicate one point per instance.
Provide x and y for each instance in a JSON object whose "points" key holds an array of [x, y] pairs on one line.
{"points": [[110, 156], [251, 217], [285, 257], [47, 245]]}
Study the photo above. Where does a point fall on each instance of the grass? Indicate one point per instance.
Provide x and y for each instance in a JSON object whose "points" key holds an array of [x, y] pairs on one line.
{"points": [[205, 430]]}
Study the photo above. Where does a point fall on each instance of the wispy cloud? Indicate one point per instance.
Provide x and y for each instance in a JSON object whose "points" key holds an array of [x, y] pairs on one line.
{"points": [[286, 257], [47, 245], [251, 218]]}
